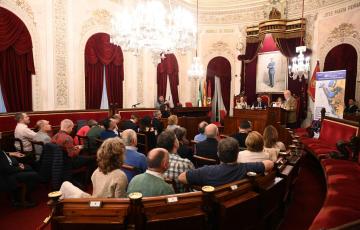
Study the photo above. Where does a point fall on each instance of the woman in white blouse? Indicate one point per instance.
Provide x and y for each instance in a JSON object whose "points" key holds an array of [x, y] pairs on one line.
{"points": [[241, 104], [255, 149]]}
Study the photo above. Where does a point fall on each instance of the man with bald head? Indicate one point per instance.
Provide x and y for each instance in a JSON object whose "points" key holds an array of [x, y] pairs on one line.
{"points": [[208, 147], [152, 183], [290, 105], [132, 156]]}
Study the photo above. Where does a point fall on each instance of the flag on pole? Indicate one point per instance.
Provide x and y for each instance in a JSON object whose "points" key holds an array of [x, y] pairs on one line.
{"points": [[199, 100], [204, 93], [312, 83], [208, 94]]}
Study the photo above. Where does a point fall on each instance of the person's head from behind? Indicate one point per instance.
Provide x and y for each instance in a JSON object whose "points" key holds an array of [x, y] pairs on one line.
{"points": [[158, 160], [43, 125], [117, 118], [135, 118], [129, 137], [180, 133], [245, 126], [23, 118], [146, 121], [254, 142], [67, 125], [211, 131], [173, 120], [109, 124], [110, 155], [157, 114], [287, 94], [202, 126], [92, 123], [270, 136], [228, 150], [167, 140]]}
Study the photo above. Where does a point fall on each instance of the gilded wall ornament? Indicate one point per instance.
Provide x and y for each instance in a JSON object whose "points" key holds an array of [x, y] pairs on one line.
{"points": [[100, 17], [27, 8]]}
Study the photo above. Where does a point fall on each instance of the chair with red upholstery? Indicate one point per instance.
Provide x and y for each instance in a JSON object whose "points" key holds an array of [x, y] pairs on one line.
{"points": [[266, 99], [188, 104]]}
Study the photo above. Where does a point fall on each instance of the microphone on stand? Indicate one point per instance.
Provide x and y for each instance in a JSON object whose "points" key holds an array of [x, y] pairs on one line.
{"points": [[134, 105]]}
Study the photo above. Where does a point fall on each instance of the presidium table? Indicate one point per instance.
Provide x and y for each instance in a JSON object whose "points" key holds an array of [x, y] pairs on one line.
{"points": [[260, 118]]}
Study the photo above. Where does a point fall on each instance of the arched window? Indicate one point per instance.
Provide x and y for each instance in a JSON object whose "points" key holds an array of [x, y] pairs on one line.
{"points": [[103, 63], [16, 61], [344, 56]]}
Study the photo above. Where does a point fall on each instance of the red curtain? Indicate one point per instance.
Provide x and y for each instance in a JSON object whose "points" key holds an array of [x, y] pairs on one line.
{"points": [[168, 67], [99, 52], [16, 61], [220, 67], [344, 56]]}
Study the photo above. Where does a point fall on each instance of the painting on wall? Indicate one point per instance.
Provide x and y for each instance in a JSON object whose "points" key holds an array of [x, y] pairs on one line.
{"points": [[271, 74]]}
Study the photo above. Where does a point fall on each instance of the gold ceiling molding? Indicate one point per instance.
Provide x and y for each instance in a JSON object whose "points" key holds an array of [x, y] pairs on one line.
{"points": [[100, 17], [342, 31], [25, 6], [279, 28]]}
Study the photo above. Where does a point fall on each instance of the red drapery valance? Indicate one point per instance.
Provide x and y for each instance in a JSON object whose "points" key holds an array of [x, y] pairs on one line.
{"points": [[168, 67], [99, 52], [220, 67], [16, 61]]}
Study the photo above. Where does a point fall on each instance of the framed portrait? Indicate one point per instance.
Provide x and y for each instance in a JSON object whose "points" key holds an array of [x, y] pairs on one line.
{"points": [[271, 76]]}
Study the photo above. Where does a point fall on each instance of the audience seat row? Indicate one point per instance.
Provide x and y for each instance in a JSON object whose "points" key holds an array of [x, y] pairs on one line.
{"points": [[341, 204], [249, 203]]}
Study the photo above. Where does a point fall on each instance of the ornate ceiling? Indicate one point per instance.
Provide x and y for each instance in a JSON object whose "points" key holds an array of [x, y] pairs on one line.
{"points": [[226, 4]]}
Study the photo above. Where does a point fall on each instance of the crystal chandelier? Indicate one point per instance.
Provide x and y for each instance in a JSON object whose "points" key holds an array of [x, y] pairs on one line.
{"points": [[196, 69], [149, 25], [300, 65]]}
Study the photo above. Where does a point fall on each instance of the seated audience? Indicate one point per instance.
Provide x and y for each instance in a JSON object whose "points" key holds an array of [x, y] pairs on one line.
{"points": [[109, 126], [23, 132], [184, 151], [165, 111], [13, 173], [259, 104], [201, 136], [152, 183], [208, 148], [241, 103], [42, 136], [84, 130], [66, 142], [351, 107], [168, 141], [93, 134], [244, 129], [145, 124], [108, 180], [172, 123], [227, 171], [255, 149], [156, 122], [116, 118], [131, 124], [132, 156], [271, 144]]}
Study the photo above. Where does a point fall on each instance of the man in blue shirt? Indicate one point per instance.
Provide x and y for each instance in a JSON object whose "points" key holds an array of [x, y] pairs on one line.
{"points": [[109, 126], [201, 136], [227, 171], [132, 156]]}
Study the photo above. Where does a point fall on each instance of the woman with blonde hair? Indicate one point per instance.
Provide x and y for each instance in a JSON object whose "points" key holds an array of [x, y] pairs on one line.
{"points": [[172, 123], [271, 143], [108, 180], [255, 149]]}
